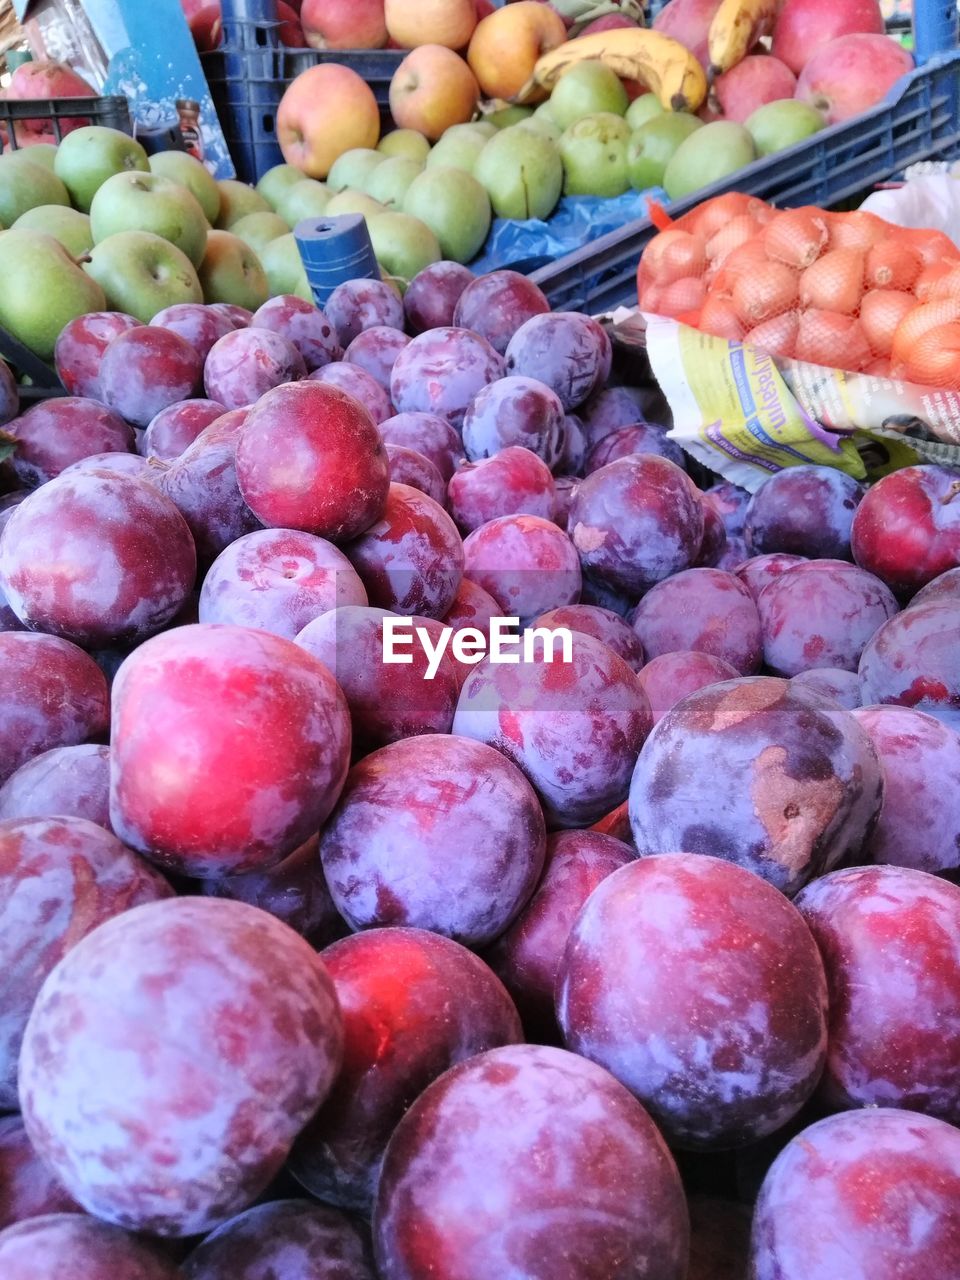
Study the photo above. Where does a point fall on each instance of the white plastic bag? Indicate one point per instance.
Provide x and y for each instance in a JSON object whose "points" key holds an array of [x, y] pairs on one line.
{"points": [[930, 201]]}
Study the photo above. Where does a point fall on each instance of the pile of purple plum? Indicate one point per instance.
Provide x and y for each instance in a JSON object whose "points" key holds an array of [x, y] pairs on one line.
{"points": [[342, 941]]}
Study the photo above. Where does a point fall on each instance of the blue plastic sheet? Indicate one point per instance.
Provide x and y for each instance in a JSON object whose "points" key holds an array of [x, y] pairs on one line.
{"points": [[576, 221]]}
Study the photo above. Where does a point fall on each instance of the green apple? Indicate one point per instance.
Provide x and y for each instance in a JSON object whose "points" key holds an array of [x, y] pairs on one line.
{"points": [[43, 289], [150, 202], [87, 157], [353, 169], [594, 155], [404, 245], [542, 125], [181, 167], [44, 153], [508, 116], [587, 89], [284, 267], [651, 147], [278, 180], [142, 273], [455, 207], [25, 185], [643, 109], [307, 198], [459, 148], [522, 173], [405, 142], [709, 154], [236, 201], [390, 183], [69, 226], [258, 229], [778, 125], [232, 272], [351, 201]]}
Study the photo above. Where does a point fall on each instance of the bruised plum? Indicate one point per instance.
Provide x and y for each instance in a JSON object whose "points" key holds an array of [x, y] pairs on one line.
{"points": [[200, 325], [303, 324], [871, 1195], [610, 409], [515, 411], [700, 988], [375, 351], [640, 437], [60, 878], [66, 1244], [268, 723], [359, 385], [54, 434], [171, 1059], [295, 891], [495, 305], [309, 457], [441, 371], [574, 728], [805, 511], [919, 824], [730, 502], [386, 849], [411, 559], [758, 571], [387, 702], [568, 351], [69, 781], [427, 434], [414, 1004], [284, 1240], [512, 482], [525, 562], [602, 624], [802, 784], [278, 580], [890, 940], [636, 521], [356, 305], [27, 1188], [97, 558], [528, 956], [705, 610], [914, 660], [408, 467], [821, 614], [146, 369], [527, 1160], [247, 363], [53, 695], [832, 682], [668, 679]]}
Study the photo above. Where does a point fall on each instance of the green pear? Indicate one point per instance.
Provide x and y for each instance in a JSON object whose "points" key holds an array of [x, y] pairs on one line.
{"points": [[186, 169], [587, 89], [278, 180], [69, 226], [404, 245], [350, 201], [651, 147], [232, 272], [709, 154], [43, 289], [643, 109], [459, 148], [236, 201], [390, 183], [284, 267], [454, 206], [353, 169], [405, 142], [258, 229], [522, 173], [306, 199], [87, 157], [25, 185], [594, 154], [778, 125], [142, 273], [506, 117]]}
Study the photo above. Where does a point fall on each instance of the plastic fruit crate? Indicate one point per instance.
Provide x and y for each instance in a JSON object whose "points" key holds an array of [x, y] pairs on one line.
{"points": [[248, 74], [112, 112], [919, 120]]}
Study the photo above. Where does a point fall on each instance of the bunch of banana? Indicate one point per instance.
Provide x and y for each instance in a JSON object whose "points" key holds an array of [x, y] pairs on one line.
{"points": [[736, 27], [582, 12], [663, 64]]}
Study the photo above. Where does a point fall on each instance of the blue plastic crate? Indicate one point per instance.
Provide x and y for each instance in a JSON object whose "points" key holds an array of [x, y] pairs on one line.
{"points": [[919, 120]]}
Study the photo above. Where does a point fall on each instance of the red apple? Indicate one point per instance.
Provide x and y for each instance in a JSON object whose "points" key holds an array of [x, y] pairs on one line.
{"points": [[325, 111], [45, 80], [804, 26], [689, 22], [851, 74], [344, 24], [752, 83]]}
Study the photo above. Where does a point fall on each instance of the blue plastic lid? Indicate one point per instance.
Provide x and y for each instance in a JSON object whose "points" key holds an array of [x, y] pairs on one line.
{"points": [[334, 250]]}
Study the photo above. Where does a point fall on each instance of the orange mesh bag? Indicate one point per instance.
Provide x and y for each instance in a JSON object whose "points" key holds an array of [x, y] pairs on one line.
{"points": [[846, 290]]}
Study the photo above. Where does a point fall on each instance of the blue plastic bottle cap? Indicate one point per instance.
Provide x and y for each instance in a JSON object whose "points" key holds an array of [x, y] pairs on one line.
{"points": [[334, 250]]}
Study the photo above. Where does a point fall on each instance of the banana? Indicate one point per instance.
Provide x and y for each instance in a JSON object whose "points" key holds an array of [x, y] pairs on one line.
{"points": [[663, 64], [736, 27]]}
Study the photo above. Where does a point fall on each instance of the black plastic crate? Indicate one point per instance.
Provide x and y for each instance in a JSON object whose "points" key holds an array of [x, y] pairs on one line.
{"points": [[112, 112]]}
